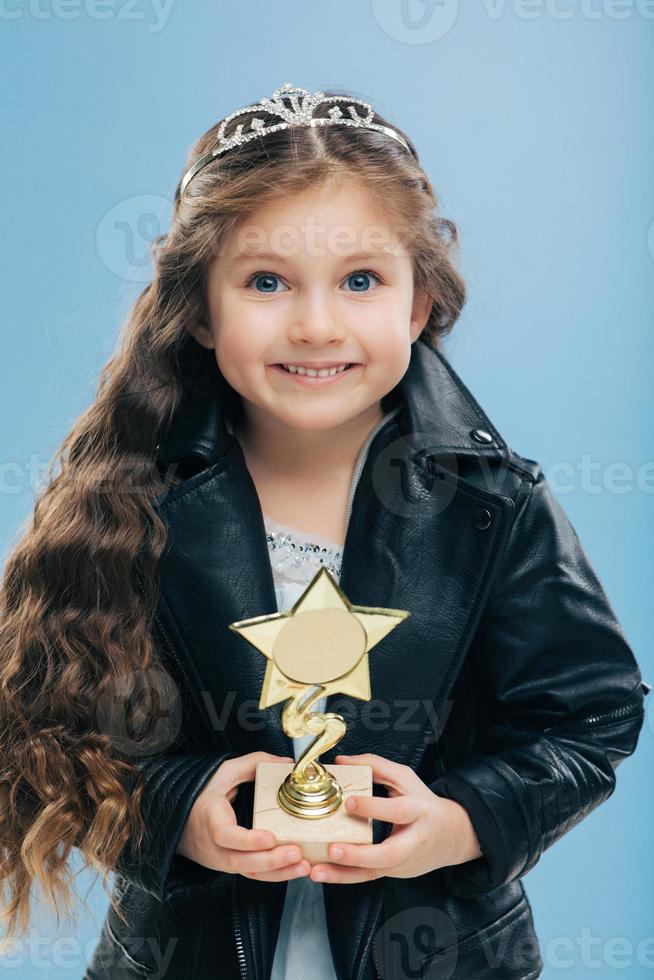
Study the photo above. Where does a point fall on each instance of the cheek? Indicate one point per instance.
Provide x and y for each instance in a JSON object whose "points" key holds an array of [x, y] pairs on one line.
{"points": [[231, 345], [389, 341], [239, 352], [246, 331]]}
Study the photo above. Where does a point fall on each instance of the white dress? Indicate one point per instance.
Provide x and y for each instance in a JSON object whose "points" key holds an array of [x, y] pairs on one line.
{"points": [[295, 557], [303, 931]]}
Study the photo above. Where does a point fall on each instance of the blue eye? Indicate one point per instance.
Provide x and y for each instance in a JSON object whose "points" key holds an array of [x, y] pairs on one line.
{"points": [[264, 276], [362, 276]]}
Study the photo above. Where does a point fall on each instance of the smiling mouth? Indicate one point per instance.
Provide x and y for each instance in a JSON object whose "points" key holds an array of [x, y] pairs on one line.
{"points": [[313, 380]]}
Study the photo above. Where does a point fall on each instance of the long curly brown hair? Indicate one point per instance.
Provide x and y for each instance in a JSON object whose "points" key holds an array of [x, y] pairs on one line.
{"points": [[75, 628]]}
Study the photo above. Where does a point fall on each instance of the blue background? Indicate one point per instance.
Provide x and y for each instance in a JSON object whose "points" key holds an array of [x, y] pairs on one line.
{"points": [[534, 121]]}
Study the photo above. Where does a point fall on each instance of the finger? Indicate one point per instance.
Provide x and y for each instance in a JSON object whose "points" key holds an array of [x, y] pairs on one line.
{"points": [[231, 793], [278, 857], [242, 769], [342, 875], [383, 770], [300, 870], [395, 809], [383, 856], [242, 839]]}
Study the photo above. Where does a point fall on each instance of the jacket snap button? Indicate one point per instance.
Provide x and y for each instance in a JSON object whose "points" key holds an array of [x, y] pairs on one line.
{"points": [[482, 518], [481, 435]]}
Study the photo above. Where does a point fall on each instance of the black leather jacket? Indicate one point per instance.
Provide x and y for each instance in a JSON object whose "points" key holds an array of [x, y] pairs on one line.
{"points": [[510, 688]]}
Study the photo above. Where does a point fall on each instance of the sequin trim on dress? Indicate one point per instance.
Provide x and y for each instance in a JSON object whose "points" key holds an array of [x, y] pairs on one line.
{"points": [[291, 551]]}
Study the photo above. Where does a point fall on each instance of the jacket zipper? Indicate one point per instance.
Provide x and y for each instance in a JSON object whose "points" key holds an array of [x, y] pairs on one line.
{"points": [[240, 951], [359, 973], [440, 761], [624, 711], [378, 974], [362, 458], [615, 713]]}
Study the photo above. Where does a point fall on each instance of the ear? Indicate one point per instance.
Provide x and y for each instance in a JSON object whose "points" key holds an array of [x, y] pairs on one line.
{"points": [[422, 305], [202, 333]]}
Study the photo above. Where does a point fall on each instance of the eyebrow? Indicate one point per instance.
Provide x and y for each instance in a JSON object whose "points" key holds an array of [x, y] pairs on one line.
{"points": [[249, 255]]}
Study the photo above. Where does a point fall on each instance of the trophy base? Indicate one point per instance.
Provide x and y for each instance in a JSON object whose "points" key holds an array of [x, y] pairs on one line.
{"points": [[313, 836]]}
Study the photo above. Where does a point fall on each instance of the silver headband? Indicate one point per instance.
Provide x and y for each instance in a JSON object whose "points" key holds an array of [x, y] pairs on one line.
{"points": [[300, 113]]}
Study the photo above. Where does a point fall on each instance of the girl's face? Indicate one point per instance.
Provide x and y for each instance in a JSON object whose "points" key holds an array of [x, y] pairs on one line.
{"points": [[297, 284]]}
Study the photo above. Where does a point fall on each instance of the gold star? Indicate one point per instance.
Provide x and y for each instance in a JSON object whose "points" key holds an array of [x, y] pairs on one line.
{"points": [[323, 639]]}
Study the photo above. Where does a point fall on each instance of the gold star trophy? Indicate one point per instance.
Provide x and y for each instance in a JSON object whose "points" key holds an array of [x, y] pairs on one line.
{"points": [[320, 647]]}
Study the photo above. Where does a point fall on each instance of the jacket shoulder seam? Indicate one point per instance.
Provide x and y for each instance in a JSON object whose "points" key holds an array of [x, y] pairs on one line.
{"points": [[528, 475], [529, 469]]}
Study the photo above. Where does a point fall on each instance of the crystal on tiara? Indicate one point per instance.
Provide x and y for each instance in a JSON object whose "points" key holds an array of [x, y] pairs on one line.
{"points": [[300, 113]]}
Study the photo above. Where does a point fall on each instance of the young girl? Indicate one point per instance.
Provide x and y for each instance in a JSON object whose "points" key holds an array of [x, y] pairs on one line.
{"points": [[280, 402]]}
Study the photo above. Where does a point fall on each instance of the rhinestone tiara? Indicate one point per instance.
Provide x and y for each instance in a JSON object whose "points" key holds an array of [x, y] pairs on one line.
{"points": [[299, 113]]}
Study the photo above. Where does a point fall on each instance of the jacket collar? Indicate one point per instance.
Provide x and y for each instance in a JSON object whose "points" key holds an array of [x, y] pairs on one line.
{"points": [[439, 416]]}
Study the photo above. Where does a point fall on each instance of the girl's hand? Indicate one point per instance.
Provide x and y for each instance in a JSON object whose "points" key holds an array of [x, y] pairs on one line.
{"points": [[429, 831], [212, 837]]}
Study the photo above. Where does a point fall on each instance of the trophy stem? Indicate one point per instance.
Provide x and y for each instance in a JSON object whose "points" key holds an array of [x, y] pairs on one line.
{"points": [[310, 790]]}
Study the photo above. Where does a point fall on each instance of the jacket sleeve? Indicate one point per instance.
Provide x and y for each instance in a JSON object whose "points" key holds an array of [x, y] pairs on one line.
{"points": [[560, 699], [172, 783]]}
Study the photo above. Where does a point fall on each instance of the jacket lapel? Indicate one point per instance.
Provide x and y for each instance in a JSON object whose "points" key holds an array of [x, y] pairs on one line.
{"points": [[412, 544], [216, 571]]}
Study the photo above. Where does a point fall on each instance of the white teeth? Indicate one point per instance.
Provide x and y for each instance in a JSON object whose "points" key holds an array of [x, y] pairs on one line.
{"points": [[312, 372]]}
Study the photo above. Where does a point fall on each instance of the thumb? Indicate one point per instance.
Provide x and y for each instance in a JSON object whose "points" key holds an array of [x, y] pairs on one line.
{"points": [[243, 768]]}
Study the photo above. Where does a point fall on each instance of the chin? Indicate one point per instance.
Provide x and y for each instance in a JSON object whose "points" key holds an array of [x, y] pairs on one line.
{"points": [[313, 423], [309, 425]]}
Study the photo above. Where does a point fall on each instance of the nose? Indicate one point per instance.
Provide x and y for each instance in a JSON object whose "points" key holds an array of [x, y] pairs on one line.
{"points": [[316, 322]]}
